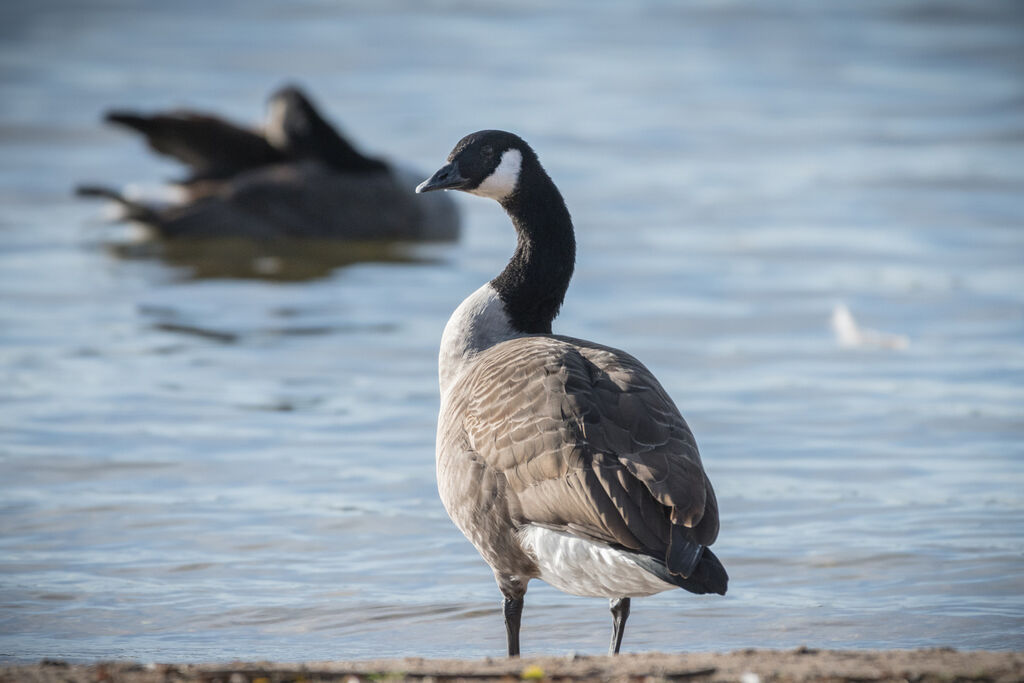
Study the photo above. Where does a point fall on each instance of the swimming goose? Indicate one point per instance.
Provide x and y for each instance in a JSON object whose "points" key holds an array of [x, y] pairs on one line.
{"points": [[558, 458], [297, 178], [215, 149]]}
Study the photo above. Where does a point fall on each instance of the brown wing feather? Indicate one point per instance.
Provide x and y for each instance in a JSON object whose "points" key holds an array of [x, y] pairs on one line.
{"points": [[587, 441]]}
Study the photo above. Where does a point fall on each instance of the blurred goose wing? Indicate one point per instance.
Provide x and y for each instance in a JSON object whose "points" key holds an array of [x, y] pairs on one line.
{"points": [[209, 146]]}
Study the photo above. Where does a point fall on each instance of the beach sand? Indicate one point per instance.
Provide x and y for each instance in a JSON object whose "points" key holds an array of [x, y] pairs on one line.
{"points": [[748, 666]]}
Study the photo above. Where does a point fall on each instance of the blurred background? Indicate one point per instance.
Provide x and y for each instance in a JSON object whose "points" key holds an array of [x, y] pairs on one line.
{"points": [[198, 462]]}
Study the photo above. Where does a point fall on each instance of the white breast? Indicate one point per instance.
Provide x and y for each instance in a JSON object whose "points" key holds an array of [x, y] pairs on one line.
{"points": [[478, 323], [581, 567]]}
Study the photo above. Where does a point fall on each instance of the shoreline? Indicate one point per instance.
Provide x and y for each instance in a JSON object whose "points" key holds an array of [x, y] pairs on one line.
{"points": [[748, 666]]}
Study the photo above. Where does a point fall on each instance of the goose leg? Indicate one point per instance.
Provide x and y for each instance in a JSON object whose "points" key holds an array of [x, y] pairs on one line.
{"points": [[513, 609], [620, 612]]}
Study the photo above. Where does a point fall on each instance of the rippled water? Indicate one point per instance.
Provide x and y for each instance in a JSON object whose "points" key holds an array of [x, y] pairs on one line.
{"points": [[198, 462]]}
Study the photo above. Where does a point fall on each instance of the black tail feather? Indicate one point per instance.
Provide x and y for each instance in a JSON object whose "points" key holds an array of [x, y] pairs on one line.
{"points": [[709, 576], [97, 191], [130, 120], [132, 210]]}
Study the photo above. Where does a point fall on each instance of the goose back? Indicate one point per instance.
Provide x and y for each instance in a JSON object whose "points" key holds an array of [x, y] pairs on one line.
{"points": [[576, 437]]}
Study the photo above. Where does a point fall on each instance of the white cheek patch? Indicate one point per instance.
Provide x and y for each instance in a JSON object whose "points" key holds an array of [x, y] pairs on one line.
{"points": [[273, 130], [502, 182]]}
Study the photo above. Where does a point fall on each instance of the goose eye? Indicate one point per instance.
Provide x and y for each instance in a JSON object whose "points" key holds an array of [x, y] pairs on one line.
{"points": [[487, 151]]}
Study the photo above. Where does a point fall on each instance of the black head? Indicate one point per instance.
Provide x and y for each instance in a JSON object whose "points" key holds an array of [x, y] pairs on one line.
{"points": [[485, 163], [499, 165], [296, 128], [291, 119]]}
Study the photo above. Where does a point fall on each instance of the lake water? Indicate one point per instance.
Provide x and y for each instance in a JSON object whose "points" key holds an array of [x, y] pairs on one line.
{"points": [[198, 462]]}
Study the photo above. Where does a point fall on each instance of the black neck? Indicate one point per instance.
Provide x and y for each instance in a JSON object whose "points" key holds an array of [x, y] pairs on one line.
{"points": [[534, 282], [309, 135], [341, 155]]}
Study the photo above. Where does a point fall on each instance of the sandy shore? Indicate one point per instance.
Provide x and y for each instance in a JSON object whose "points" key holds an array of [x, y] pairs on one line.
{"points": [[748, 666]]}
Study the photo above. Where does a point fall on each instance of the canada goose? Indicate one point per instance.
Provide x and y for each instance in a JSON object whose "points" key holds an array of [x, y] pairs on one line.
{"points": [[297, 178], [558, 458]]}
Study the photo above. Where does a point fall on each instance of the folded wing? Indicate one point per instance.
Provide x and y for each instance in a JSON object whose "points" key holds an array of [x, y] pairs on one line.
{"points": [[588, 442]]}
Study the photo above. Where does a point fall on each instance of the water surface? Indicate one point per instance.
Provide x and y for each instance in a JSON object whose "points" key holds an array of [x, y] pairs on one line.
{"points": [[232, 457]]}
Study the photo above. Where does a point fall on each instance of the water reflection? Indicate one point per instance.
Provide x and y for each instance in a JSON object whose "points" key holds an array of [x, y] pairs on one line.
{"points": [[277, 260]]}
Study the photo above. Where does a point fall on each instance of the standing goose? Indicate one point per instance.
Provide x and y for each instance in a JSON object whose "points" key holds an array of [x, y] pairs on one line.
{"points": [[558, 458]]}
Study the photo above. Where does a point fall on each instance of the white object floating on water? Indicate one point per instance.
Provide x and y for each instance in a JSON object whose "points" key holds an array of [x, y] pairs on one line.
{"points": [[850, 336]]}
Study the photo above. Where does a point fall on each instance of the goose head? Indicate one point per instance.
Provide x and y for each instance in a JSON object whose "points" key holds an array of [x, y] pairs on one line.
{"points": [[487, 163], [295, 127]]}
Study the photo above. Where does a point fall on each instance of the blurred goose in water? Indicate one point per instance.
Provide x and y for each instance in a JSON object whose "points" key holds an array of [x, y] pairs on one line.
{"points": [[297, 178]]}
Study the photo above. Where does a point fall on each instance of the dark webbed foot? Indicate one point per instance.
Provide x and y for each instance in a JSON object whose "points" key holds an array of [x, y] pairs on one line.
{"points": [[620, 612]]}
